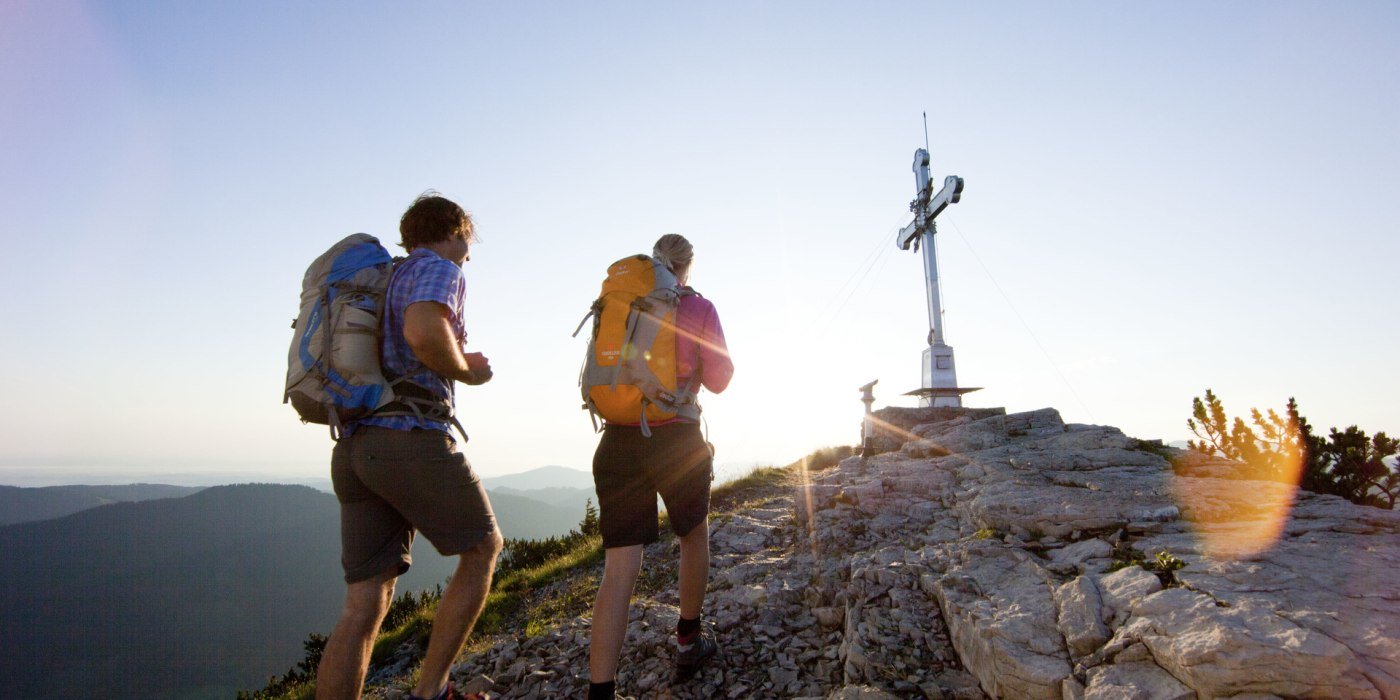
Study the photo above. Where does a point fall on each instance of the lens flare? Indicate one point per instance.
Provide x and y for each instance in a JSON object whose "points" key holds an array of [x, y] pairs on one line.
{"points": [[884, 428], [809, 493], [805, 482], [1240, 512]]}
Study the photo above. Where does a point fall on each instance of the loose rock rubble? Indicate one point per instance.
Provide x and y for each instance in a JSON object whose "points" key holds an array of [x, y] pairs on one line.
{"points": [[985, 554]]}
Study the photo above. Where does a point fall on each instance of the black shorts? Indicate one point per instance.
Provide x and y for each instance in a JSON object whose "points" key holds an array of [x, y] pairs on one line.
{"points": [[391, 483], [630, 470]]}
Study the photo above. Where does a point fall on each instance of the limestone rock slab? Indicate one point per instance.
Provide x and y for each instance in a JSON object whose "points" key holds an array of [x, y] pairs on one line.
{"points": [[1137, 680], [1239, 650], [1081, 616], [997, 604]]}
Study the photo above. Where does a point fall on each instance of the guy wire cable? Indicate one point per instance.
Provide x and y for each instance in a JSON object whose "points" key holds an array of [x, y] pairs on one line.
{"points": [[1020, 318], [881, 258], [878, 254], [869, 259]]}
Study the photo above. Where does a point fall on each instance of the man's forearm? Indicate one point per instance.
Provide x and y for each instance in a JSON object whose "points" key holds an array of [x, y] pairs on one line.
{"points": [[442, 356], [431, 338], [428, 330]]}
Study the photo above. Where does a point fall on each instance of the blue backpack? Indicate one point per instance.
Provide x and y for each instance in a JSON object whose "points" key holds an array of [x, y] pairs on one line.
{"points": [[333, 370]]}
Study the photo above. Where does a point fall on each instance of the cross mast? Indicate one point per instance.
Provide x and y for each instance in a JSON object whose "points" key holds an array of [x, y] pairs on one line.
{"points": [[940, 380]]}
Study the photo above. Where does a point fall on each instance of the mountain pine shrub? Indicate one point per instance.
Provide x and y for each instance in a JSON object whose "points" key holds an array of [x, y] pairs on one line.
{"points": [[1345, 463]]}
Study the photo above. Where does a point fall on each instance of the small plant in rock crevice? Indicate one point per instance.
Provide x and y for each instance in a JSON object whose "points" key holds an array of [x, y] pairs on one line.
{"points": [[1125, 556], [1164, 564]]}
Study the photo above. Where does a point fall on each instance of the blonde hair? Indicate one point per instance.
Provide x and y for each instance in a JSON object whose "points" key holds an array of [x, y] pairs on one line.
{"points": [[675, 252]]}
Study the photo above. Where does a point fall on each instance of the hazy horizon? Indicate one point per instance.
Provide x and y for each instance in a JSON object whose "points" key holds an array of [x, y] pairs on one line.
{"points": [[80, 475]]}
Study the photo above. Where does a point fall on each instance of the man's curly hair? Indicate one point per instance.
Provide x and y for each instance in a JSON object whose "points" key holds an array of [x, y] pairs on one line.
{"points": [[433, 218]]}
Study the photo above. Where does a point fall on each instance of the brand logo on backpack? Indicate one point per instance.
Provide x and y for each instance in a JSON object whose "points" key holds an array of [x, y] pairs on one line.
{"points": [[629, 372]]}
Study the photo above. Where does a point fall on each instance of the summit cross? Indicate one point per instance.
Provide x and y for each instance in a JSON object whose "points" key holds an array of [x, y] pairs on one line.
{"points": [[940, 379]]}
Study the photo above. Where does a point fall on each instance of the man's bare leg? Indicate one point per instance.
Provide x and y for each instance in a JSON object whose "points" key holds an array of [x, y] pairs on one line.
{"points": [[620, 568], [457, 612], [346, 658], [695, 569]]}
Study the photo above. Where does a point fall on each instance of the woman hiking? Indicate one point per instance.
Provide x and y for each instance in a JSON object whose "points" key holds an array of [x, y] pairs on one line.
{"points": [[630, 469]]}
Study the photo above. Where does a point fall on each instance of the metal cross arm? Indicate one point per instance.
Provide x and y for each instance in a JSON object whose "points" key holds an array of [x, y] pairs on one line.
{"points": [[927, 206], [950, 194], [909, 234]]}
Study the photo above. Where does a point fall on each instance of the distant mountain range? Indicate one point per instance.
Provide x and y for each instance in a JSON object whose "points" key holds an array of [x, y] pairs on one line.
{"points": [[193, 596], [571, 500], [550, 484], [22, 505], [542, 478], [562, 487], [568, 490]]}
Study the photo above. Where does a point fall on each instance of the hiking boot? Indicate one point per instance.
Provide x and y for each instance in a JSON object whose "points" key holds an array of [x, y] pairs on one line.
{"points": [[690, 657]]}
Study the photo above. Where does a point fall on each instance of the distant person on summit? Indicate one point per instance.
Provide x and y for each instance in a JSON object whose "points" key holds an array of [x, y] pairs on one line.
{"points": [[630, 469], [397, 474]]}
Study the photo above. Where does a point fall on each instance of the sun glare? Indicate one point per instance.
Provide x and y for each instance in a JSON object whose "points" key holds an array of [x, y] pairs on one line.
{"points": [[1241, 517]]}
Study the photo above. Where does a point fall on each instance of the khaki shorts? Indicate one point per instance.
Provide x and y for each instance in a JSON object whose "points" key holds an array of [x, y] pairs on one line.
{"points": [[391, 483]]}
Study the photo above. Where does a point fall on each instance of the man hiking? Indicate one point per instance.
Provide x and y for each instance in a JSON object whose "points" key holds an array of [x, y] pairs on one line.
{"points": [[633, 464], [400, 473]]}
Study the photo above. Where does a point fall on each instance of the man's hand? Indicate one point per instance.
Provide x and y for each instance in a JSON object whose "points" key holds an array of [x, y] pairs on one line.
{"points": [[478, 369]]}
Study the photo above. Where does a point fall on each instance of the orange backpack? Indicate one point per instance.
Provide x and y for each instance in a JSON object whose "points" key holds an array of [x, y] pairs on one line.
{"points": [[629, 373]]}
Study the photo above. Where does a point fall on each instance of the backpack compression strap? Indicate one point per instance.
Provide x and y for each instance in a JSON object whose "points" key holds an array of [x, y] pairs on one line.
{"points": [[593, 312], [412, 399], [639, 307]]}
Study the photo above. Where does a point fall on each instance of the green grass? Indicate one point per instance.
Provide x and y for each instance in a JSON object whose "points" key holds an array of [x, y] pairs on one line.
{"points": [[509, 606], [730, 495], [409, 617], [763, 482], [304, 691], [505, 607], [416, 627]]}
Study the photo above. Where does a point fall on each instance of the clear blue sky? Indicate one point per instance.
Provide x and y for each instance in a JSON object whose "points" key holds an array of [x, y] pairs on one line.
{"points": [[1160, 199]]}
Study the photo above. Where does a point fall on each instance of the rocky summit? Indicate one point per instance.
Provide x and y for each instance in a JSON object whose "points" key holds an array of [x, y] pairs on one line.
{"points": [[979, 554]]}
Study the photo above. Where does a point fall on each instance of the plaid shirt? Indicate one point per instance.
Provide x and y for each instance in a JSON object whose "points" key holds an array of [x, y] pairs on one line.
{"points": [[424, 276]]}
